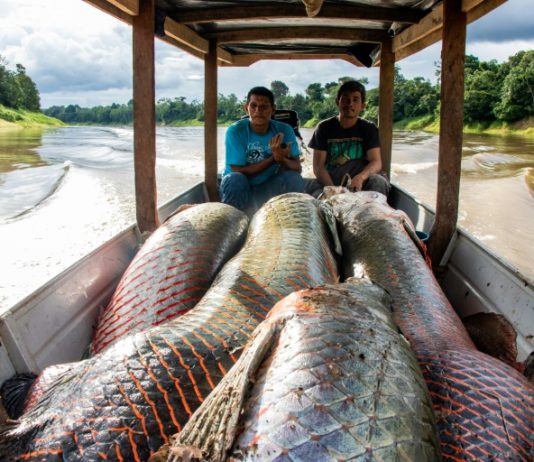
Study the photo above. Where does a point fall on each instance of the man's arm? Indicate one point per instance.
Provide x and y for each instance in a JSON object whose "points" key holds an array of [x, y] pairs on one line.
{"points": [[253, 169], [374, 166], [319, 168]]}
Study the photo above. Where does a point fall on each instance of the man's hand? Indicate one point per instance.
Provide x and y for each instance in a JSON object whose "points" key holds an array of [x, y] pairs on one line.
{"points": [[357, 182], [280, 150]]}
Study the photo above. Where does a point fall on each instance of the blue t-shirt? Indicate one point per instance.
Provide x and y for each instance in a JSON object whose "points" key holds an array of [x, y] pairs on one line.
{"points": [[244, 146]]}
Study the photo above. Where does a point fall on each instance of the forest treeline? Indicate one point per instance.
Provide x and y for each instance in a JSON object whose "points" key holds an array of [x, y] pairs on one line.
{"points": [[493, 92], [17, 89]]}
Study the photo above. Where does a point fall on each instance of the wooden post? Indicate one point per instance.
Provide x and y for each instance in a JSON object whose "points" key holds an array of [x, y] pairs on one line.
{"points": [[385, 109], [210, 121], [144, 117], [451, 129]]}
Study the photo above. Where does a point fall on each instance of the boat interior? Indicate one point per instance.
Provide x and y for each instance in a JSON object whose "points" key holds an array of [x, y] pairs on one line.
{"points": [[54, 324]]}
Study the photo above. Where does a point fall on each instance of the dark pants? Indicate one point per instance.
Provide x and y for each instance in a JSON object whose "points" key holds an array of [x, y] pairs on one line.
{"points": [[378, 182], [236, 189]]}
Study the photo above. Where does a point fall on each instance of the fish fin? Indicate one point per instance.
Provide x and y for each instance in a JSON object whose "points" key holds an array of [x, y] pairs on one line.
{"points": [[327, 213], [211, 430]]}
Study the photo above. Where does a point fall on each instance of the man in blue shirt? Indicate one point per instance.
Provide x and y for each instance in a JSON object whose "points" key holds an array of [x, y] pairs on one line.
{"points": [[262, 156]]}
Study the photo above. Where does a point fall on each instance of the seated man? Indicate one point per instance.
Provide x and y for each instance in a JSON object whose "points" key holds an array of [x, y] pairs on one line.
{"points": [[262, 156], [346, 148]]}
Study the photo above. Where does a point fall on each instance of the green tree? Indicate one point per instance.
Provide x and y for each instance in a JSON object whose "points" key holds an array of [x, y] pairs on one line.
{"points": [[517, 93], [29, 98], [279, 88]]}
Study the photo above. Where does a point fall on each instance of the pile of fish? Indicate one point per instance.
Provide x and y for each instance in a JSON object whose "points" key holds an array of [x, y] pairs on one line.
{"points": [[125, 402], [484, 408], [325, 377]]}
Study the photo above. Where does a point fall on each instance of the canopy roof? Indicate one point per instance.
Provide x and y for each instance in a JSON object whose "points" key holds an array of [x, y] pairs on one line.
{"points": [[251, 30]]}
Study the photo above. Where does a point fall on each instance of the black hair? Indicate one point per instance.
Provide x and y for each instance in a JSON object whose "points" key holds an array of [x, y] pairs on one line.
{"points": [[350, 87], [261, 91]]}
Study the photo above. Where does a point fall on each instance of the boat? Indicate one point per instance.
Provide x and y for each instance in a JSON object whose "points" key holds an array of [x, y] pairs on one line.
{"points": [[55, 323]]}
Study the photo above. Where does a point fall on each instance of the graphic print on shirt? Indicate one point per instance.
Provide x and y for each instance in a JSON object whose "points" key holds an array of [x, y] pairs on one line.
{"points": [[340, 151], [256, 152]]}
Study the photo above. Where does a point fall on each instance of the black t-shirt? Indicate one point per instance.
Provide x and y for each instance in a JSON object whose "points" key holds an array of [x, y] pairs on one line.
{"points": [[344, 144]]}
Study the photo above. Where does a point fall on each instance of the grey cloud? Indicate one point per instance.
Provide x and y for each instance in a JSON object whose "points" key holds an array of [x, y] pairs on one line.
{"points": [[514, 20]]}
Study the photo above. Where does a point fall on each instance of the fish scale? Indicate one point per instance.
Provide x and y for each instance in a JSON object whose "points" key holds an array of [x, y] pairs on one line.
{"points": [[485, 408], [327, 377], [124, 403]]}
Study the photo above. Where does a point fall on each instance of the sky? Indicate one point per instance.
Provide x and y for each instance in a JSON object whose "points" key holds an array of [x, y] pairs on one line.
{"points": [[78, 55]]}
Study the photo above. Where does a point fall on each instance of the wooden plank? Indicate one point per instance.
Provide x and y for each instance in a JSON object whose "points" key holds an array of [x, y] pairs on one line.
{"points": [[108, 8], [476, 9], [430, 29], [290, 11], [385, 107], [144, 112], [419, 45], [430, 23], [210, 122], [183, 34], [224, 57], [281, 33], [130, 7], [451, 128], [247, 60]]}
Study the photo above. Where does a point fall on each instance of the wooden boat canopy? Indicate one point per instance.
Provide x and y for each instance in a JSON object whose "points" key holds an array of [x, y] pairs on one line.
{"points": [[240, 33], [249, 31]]}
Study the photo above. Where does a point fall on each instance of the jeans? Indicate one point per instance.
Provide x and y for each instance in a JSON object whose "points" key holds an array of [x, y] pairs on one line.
{"points": [[236, 189]]}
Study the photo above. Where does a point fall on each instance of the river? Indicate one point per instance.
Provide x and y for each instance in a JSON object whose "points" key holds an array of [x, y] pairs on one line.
{"points": [[64, 191]]}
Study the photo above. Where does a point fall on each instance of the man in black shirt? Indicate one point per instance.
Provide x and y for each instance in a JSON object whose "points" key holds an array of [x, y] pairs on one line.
{"points": [[346, 148]]}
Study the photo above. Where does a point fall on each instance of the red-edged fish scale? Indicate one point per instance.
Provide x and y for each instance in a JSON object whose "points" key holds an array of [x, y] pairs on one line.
{"points": [[485, 408], [123, 403], [337, 383], [171, 271]]}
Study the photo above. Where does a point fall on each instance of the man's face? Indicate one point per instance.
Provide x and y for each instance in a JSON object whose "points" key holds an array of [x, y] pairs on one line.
{"points": [[350, 104], [260, 110]]}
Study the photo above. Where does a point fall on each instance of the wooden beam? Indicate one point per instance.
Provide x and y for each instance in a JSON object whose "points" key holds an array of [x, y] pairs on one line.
{"points": [[183, 34], [144, 117], [475, 9], [224, 57], [385, 106], [130, 7], [451, 129], [281, 33], [110, 9], [430, 29], [417, 46], [429, 24], [247, 60], [295, 11], [210, 122]]}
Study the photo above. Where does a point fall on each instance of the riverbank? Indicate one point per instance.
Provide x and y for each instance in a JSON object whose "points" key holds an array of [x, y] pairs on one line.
{"points": [[16, 118], [524, 127], [13, 118]]}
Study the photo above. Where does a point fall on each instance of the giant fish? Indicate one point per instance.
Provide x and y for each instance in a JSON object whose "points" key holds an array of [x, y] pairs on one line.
{"points": [[485, 408], [172, 270], [325, 377], [169, 274], [125, 402]]}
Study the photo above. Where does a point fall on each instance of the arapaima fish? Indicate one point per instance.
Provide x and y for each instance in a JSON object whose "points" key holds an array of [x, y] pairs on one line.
{"points": [[169, 274], [172, 270], [326, 377], [484, 408], [125, 402]]}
